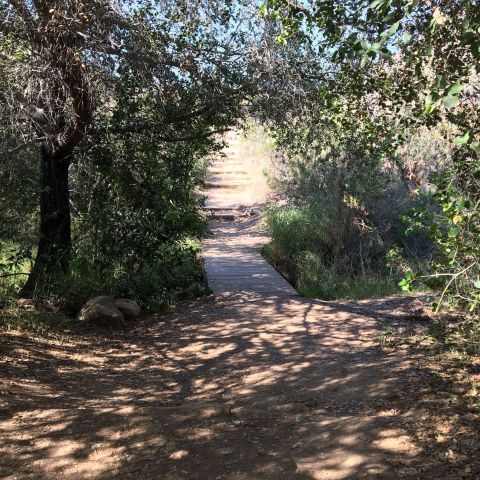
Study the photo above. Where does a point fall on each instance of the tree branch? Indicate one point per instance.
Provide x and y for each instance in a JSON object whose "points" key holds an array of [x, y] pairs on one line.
{"points": [[22, 10], [171, 139], [4, 275], [187, 116], [73, 76]]}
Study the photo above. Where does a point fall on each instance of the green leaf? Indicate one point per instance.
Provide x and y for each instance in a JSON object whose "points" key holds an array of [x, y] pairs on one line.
{"points": [[477, 284], [393, 28], [405, 282], [450, 101], [375, 4], [391, 31], [406, 37], [462, 140], [446, 207], [475, 147], [455, 89], [453, 232], [429, 105], [440, 83]]}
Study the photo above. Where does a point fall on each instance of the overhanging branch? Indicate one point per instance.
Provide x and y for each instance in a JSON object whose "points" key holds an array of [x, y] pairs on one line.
{"points": [[140, 128]]}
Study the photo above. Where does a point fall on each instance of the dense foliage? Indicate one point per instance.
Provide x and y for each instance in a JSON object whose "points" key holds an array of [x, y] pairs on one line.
{"points": [[372, 104], [366, 77], [119, 105]]}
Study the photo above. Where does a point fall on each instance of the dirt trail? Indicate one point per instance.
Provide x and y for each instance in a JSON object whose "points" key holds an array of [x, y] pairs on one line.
{"points": [[271, 388], [241, 386]]}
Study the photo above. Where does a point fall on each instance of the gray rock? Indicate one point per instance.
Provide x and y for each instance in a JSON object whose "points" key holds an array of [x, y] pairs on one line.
{"points": [[101, 311], [130, 309]]}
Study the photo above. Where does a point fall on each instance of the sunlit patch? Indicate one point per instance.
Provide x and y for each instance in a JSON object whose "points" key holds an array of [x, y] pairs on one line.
{"points": [[264, 377], [178, 455], [337, 465], [205, 385], [395, 441], [201, 434]]}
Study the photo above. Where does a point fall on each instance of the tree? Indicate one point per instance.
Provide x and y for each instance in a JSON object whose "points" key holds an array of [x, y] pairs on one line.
{"points": [[418, 61], [62, 60]]}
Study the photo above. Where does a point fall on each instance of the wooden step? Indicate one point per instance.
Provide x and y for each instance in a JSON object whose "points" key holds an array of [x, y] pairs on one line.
{"points": [[229, 172], [224, 214], [241, 177], [227, 163], [229, 184]]}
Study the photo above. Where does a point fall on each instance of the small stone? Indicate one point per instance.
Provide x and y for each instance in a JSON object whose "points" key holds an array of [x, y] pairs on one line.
{"points": [[130, 309]]}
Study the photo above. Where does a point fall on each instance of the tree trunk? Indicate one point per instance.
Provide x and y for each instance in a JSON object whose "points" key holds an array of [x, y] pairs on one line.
{"points": [[55, 226]]}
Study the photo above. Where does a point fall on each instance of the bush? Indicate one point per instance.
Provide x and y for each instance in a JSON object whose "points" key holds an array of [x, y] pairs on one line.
{"points": [[454, 228], [321, 253], [316, 280], [155, 283], [341, 231], [135, 220]]}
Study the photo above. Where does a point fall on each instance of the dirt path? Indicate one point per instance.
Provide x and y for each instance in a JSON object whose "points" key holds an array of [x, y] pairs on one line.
{"points": [[253, 385], [262, 388]]}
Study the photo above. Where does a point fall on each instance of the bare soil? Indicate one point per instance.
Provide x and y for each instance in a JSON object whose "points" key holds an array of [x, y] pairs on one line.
{"points": [[238, 387]]}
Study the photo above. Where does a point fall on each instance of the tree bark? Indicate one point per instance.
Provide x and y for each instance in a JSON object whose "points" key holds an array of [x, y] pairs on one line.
{"points": [[55, 225], [67, 93]]}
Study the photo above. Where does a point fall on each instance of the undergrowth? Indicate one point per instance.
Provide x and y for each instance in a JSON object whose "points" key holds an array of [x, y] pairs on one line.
{"points": [[34, 319], [320, 250], [171, 275]]}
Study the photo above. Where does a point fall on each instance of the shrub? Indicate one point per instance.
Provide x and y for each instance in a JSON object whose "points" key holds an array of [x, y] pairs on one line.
{"points": [[317, 280], [321, 253]]}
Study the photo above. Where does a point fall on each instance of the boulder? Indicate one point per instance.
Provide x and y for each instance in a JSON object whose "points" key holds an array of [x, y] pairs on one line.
{"points": [[130, 309], [101, 311]]}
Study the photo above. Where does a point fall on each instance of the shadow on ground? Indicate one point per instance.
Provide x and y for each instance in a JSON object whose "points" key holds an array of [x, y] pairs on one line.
{"points": [[243, 387]]}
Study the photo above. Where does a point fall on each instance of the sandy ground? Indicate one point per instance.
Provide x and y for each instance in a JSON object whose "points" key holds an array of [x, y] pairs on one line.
{"points": [[238, 387]]}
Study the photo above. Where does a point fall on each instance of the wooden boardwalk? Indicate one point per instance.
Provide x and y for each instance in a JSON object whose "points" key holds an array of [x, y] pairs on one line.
{"points": [[232, 255], [233, 262]]}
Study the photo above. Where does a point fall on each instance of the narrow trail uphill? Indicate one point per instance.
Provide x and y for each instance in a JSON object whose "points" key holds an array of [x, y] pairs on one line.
{"points": [[235, 191], [250, 383]]}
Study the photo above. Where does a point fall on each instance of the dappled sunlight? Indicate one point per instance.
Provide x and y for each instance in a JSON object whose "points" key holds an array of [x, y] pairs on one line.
{"points": [[132, 402], [154, 155], [349, 445]]}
